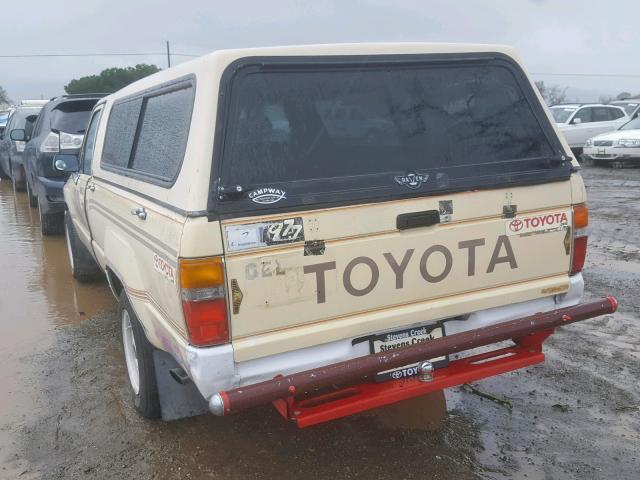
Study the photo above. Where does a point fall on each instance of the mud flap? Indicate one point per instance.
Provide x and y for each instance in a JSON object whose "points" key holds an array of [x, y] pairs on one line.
{"points": [[177, 400]]}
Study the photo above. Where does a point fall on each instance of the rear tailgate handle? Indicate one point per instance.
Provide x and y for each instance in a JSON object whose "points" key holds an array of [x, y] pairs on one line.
{"points": [[427, 218]]}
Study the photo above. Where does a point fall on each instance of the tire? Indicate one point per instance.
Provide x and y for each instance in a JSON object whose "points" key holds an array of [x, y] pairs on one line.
{"points": [[18, 186], [50, 223], [33, 200], [83, 266], [4, 175], [138, 354]]}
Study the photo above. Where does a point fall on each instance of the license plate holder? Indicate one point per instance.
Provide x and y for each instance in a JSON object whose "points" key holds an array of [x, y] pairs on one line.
{"points": [[404, 338]]}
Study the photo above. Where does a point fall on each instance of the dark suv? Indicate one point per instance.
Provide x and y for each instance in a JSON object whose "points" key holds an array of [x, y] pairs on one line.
{"points": [[11, 166], [59, 129]]}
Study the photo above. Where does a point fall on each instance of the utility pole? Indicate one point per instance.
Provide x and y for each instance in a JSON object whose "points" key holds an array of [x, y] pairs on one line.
{"points": [[168, 55]]}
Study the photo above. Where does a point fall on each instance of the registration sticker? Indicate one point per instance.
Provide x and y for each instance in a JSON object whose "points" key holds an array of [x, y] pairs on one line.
{"points": [[405, 338], [264, 234]]}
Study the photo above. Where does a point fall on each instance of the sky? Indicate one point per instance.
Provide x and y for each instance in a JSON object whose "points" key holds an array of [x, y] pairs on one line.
{"points": [[576, 37]]}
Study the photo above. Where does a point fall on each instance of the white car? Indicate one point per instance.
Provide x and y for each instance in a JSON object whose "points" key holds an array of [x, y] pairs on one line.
{"points": [[579, 122], [615, 148], [630, 105]]}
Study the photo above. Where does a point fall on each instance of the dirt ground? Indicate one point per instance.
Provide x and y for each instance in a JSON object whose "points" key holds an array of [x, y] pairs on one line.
{"points": [[65, 410]]}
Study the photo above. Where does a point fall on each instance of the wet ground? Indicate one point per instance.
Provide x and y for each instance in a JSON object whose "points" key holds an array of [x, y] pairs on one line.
{"points": [[65, 411]]}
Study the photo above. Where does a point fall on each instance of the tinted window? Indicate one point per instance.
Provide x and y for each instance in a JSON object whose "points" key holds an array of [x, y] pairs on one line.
{"points": [[164, 129], [72, 117], [24, 118], [584, 114], [121, 130], [90, 142], [376, 124], [615, 113], [561, 114], [600, 114]]}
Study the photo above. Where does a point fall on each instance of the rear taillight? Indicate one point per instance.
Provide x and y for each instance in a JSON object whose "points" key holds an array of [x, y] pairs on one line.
{"points": [[51, 143], [202, 288], [70, 141], [61, 141], [579, 251]]}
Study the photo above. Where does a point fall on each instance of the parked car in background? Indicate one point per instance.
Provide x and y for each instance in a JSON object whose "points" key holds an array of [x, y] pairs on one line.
{"points": [[615, 148], [579, 122], [60, 129], [22, 119], [4, 118], [631, 106]]}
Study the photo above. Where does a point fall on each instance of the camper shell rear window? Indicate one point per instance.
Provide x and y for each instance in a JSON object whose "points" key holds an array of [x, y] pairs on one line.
{"points": [[343, 130]]}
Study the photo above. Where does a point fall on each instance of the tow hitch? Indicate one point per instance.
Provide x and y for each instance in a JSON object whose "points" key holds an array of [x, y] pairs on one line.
{"points": [[344, 388]]}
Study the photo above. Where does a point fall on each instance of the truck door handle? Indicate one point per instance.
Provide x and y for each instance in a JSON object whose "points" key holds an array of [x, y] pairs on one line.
{"points": [[140, 212], [427, 218], [91, 187]]}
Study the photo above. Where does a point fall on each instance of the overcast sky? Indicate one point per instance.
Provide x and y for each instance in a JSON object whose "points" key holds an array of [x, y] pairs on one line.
{"points": [[552, 36]]}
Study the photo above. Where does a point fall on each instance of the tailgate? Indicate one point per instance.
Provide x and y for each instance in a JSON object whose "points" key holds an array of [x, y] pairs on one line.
{"points": [[322, 166], [353, 269]]}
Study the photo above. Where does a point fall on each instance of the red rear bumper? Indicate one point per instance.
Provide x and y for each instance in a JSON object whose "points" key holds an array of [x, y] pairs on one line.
{"points": [[303, 396]]}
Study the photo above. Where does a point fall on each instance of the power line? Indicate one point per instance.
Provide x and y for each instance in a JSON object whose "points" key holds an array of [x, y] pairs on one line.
{"points": [[47, 55]]}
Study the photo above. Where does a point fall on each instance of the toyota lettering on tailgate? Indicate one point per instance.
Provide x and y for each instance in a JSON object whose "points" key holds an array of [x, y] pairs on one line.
{"points": [[502, 253]]}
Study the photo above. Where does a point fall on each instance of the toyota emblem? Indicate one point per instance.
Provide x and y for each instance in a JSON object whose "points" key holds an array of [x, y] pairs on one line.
{"points": [[516, 225]]}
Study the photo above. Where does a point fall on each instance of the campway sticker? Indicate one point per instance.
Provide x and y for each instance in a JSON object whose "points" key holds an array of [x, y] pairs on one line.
{"points": [[411, 179], [266, 196], [543, 223]]}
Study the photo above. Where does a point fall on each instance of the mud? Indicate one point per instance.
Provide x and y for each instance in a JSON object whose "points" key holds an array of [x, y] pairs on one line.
{"points": [[65, 410]]}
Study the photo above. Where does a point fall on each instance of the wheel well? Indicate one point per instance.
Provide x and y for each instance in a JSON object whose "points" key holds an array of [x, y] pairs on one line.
{"points": [[115, 284]]}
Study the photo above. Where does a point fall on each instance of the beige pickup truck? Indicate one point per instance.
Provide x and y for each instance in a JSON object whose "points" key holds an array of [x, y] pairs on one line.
{"points": [[328, 228]]}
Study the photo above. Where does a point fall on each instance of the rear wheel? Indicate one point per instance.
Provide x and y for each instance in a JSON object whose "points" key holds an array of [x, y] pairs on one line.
{"points": [[138, 354], [3, 175], [83, 266], [50, 223], [33, 200], [18, 186]]}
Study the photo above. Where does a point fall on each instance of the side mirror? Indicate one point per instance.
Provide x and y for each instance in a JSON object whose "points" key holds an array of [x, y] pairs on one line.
{"points": [[65, 162], [18, 134], [576, 121]]}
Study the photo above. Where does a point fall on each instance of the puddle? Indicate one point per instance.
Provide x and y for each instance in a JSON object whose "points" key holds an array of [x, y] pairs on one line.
{"points": [[37, 294]]}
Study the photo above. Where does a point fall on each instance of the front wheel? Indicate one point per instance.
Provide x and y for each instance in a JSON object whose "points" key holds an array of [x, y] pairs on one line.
{"points": [[138, 354]]}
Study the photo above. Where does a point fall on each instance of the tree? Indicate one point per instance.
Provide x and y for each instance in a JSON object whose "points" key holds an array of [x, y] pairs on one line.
{"points": [[4, 98], [110, 80], [623, 96], [552, 95]]}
